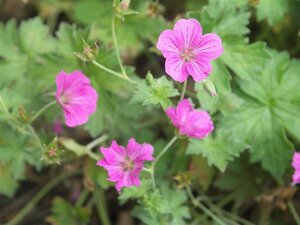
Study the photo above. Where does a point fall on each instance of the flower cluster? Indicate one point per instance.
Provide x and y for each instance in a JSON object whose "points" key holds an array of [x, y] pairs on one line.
{"points": [[296, 166], [190, 122], [187, 52]]}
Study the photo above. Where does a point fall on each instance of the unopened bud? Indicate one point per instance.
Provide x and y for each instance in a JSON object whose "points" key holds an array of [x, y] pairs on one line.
{"points": [[52, 152], [149, 79], [89, 53], [210, 88], [23, 115]]}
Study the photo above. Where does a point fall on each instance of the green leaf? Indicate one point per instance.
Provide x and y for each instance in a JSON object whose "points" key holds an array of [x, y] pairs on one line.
{"points": [[245, 60], [8, 184], [35, 37], [218, 150], [157, 91], [272, 10], [268, 111], [226, 18], [64, 213]]}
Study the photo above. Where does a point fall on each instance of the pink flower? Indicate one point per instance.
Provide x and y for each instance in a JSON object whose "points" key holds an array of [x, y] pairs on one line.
{"points": [[187, 51], [190, 122], [296, 166], [125, 164], [76, 96]]}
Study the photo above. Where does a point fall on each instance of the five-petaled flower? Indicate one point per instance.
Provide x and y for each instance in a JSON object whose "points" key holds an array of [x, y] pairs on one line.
{"points": [[187, 51], [76, 96], [296, 166], [190, 122], [125, 164]]}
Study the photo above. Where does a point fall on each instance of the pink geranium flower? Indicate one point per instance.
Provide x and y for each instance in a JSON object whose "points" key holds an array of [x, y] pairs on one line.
{"points": [[187, 51], [76, 96], [125, 164], [296, 166], [190, 122]]}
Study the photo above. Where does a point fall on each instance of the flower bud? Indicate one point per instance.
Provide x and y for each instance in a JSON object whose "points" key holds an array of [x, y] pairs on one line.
{"points": [[210, 88], [52, 152], [89, 53], [23, 115]]}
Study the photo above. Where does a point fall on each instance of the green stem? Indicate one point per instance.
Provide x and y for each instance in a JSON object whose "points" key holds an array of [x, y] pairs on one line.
{"points": [[113, 27], [101, 206], [97, 141], [165, 149], [294, 212], [38, 140], [152, 168], [93, 144], [183, 90], [202, 207], [37, 114], [31, 204], [83, 196], [112, 72]]}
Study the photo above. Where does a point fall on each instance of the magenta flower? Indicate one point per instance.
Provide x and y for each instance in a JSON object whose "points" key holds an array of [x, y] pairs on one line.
{"points": [[190, 122], [76, 96], [125, 164], [187, 51], [296, 166]]}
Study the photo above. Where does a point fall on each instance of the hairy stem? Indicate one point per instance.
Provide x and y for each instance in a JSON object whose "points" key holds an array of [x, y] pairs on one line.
{"points": [[112, 72], [101, 206], [38, 113], [183, 90], [113, 28], [202, 207], [165, 149], [294, 212]]}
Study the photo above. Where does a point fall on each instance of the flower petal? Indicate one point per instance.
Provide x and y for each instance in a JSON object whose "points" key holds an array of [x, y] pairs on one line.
{"points": [[139, 152], [296, 161], [209, 47], [199, 70], [169, 43], [115, 154], [175, 67], [198, 125], [190, 30]]}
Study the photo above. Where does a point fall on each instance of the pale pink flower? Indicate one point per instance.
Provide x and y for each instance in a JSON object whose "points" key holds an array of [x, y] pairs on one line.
{"points": [[76, 96], [187, 51], [190, 122], [125, 164], [296, 166]]}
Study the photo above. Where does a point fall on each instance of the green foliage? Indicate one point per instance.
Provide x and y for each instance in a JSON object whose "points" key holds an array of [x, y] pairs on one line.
{"points": [[271, 10], [135, 27], [265, 115], [218, 150], [155, 91], [64, 213], [225, 18], [15, 153], [164, 206], [244, 181]]}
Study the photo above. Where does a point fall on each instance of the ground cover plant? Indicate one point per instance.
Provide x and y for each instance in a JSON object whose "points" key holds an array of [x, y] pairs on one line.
{"points": [[150, 112]]}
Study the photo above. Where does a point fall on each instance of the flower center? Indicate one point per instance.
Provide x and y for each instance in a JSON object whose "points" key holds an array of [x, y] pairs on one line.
{"points": [[65, 98], [127, 164], [187, 55]]}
